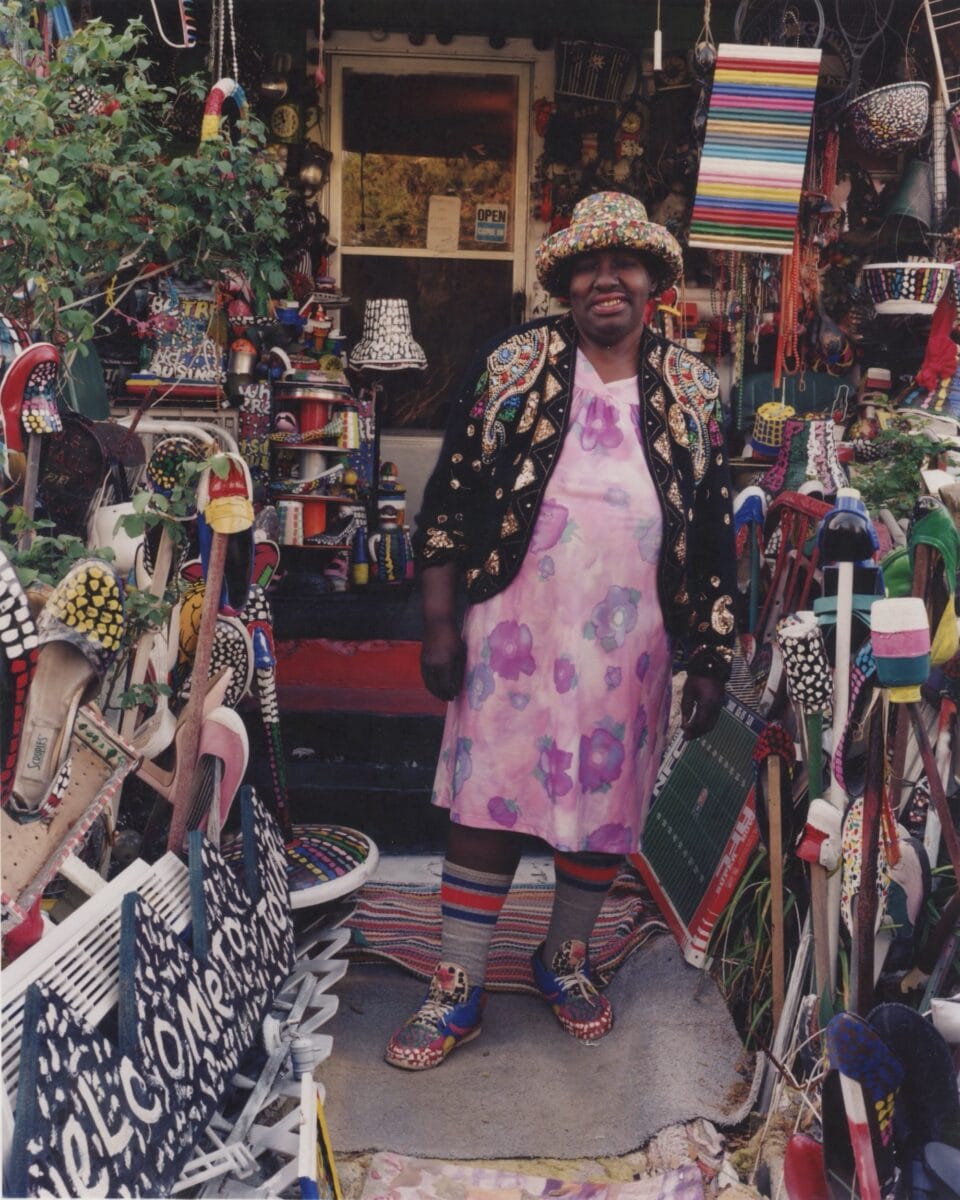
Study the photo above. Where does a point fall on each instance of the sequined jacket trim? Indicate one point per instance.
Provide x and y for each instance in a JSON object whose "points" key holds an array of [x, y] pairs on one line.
{"points": [[504, 437]]}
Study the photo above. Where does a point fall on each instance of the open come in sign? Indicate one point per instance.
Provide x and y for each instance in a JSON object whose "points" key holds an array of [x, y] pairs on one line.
{"points": [[491, 226]]}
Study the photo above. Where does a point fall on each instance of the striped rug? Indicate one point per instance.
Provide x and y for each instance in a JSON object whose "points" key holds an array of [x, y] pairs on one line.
{"points": [[755, 149], [401, 923]]}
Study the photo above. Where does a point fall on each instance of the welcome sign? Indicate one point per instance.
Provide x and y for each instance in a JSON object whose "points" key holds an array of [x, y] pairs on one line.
{"points": [[97, 1119]]}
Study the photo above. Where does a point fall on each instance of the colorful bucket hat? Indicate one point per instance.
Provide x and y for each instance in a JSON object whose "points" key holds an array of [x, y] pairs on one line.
{"points": [[599, 222]]}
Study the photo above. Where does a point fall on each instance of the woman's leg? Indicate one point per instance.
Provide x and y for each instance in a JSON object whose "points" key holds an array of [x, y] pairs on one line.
{"points": [[561, 966], [583, 881], [477, 873]]}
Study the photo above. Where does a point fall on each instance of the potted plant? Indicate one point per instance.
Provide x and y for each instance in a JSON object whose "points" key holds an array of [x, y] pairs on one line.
{"points": [[94, 197]]}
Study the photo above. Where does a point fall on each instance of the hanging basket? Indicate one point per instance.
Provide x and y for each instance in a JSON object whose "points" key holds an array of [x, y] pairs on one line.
{"points": [[891, 117], [907, 287], [592, 70]]}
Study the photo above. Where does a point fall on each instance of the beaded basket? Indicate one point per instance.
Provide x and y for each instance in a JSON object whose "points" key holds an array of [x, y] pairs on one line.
{"points": [[890, 117], [768, 426], [907, 287]]}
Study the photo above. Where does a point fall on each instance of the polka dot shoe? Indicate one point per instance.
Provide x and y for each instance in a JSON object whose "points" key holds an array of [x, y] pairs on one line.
{"points": [[567, 987], [448, 1017]]}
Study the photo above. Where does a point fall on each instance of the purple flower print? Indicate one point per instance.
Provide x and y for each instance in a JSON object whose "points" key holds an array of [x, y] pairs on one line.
{"points": [[612, 677], [616, 497], [463, 764], [551, 769], [546, 567], [613, 618], [480, 685], [600, 426], [510, 645], [643, 666], [641, 727], [649, 535], [504, 812], [601, 760], [519, 700], [549, 527], [564, 675], [611, 839]]}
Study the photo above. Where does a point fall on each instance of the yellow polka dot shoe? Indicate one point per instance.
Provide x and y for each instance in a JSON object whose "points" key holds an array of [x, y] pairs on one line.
{"points": [[80, 634]]}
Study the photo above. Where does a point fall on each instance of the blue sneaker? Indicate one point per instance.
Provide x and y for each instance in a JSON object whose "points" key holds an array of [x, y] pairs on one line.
{"points": [[567, 987], [449, 1016]]}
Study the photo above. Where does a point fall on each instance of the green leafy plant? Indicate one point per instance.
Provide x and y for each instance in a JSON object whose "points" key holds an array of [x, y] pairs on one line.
{"points": [[93, 198], [49, 556], [893, 481]]}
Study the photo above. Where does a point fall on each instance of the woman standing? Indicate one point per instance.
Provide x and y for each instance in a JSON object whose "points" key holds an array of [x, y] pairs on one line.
{"points": [[582, 496]]}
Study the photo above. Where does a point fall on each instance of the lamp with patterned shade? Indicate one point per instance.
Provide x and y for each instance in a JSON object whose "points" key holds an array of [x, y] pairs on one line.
{"points": [[387, 343]]}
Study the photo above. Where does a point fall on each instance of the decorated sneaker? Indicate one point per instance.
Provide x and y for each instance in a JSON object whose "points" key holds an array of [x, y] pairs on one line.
{"points": [[448, 1017], [568, 989]]}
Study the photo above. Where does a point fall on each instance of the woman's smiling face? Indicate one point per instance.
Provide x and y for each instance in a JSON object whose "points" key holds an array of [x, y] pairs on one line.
{"points": [[608, 294]]}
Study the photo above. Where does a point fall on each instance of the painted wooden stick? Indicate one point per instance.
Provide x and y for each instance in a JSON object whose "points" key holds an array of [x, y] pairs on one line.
{"points": [[31, 482], [938, 796], [774, 821], [865, 908], [158, 585], [188, 747]]}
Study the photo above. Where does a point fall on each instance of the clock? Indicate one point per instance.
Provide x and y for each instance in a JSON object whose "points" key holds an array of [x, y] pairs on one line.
{"points": [[286, 122]]}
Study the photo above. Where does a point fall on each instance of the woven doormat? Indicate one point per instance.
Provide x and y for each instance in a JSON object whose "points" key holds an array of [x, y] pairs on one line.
{"points": [[401, 924]]}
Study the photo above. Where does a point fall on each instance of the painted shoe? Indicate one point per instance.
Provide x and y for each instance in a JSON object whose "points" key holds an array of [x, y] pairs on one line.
{"points": [[80, 634], [448, 1017], [19, 647], [567, 987]]}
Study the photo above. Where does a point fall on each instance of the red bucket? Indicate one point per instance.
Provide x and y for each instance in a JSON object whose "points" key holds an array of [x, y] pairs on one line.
{"points": [[314, 516], [314, 414]]}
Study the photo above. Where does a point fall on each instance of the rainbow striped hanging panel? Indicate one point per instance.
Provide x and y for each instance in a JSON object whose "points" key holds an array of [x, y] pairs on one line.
{"points": [[755, 150]]}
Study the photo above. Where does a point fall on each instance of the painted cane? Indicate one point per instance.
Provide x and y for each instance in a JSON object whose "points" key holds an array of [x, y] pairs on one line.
{"points": [[846, 538], [810, 686]]}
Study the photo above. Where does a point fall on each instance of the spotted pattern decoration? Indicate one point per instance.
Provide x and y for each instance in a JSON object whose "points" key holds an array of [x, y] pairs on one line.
{"points": [[88, 1122], [805, 662], [86, 609], [856, 1050], [95, 1119], [887, 118], [39, 412], [324, 862], [907, 287], [511, 370], [20, 645], [386, 341], [697, 387], [851, 850], [231, 648], [165, 465]]}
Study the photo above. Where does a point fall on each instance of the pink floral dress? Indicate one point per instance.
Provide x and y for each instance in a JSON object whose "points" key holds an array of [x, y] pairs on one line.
{"points": [[561, 724]]}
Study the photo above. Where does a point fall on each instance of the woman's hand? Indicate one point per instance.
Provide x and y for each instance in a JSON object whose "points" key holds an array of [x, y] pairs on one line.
{"points": [[700, 704], [442, 659]]}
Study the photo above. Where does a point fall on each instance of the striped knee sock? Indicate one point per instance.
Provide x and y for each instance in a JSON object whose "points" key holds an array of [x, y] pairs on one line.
{"points": [[470, 902], [583, 881]]}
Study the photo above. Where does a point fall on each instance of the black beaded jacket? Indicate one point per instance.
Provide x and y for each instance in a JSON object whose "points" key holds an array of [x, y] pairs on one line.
{"points": [[504, 437]]}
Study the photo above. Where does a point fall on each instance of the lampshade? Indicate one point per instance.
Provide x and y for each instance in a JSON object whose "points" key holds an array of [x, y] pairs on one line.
{"points": [[386, 343], [914, 196]]}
